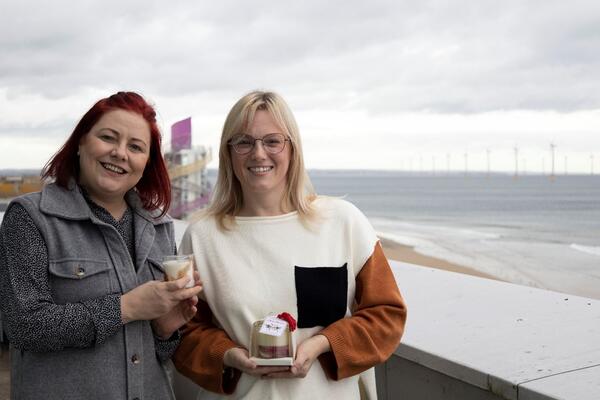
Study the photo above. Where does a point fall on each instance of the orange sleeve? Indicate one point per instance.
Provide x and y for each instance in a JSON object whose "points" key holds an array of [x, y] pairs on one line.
{"points": [[201, 351], [373, 332]]}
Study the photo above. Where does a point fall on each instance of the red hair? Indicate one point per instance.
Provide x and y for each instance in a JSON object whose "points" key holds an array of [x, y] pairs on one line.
{"points": [[154, 188]]}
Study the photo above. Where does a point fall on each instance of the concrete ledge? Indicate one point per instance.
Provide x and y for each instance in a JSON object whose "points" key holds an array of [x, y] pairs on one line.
{"points": [[511, 341]]}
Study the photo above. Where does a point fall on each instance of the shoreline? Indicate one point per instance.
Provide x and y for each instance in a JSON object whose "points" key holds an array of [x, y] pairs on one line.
{"points": [[404, 253]]}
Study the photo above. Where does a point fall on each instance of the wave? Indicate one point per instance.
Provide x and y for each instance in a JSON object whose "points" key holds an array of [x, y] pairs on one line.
{"points": [[594, 250]]}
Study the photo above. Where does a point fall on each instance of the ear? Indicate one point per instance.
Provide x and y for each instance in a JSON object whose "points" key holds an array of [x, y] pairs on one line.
{"points": [[81, 142]]}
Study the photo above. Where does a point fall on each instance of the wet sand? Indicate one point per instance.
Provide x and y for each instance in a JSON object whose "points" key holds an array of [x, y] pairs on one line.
{"points": [[399, 252]]}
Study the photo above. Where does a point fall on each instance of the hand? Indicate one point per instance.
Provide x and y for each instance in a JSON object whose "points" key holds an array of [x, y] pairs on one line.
{"points": [[154, 299], [238, 358], [306, 353], [165, 325]]}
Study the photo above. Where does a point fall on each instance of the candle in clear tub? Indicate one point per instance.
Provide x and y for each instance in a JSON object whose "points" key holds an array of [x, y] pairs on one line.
{"points": [[273, 346], [178, 266]]}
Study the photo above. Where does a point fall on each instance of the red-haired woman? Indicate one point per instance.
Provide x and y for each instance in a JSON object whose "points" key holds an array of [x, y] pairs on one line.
{"points": [[81, 284]]}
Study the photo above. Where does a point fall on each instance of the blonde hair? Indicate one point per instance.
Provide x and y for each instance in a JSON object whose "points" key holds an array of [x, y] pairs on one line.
{"points": [[227, 200]]}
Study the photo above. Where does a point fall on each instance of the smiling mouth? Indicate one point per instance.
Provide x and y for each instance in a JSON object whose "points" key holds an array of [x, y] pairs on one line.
{"points": [[260, 169], [113, 168]]}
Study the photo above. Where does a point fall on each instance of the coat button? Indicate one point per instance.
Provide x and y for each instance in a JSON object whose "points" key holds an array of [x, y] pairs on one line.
{"points": [[80, 271], [135, 359]]}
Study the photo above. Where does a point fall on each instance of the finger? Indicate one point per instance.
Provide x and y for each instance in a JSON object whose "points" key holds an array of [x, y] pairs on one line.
{"points": [[265, 370], [189, 313], [193, 300], [188, 293], [177, 284], [183, 294], [280, 375], [239, 359], [298, 364], [246, 365]]}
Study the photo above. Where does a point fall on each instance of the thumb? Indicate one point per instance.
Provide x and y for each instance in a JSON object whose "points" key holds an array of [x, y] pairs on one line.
{"points": [[173, 286], [242, 357]]}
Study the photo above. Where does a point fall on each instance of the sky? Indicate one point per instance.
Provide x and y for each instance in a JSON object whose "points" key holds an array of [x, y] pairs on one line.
{"points": [[411, 85]]}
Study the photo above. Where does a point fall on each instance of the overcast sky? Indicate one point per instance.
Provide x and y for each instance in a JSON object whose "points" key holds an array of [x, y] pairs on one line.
{"points": [[373, 84]]}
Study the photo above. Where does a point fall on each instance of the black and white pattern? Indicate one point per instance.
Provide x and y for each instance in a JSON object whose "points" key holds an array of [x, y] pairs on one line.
{"points": [[34, 322]]}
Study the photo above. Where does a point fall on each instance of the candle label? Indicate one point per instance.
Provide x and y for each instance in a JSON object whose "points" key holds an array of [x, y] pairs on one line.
{"points": [[273, 326]]}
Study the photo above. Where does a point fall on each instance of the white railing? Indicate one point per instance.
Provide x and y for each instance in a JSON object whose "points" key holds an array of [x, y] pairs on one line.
{"points": [[475, 338]]}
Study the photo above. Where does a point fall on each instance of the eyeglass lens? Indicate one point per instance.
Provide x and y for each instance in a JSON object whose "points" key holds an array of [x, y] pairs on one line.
{"points": [[272, 143]]}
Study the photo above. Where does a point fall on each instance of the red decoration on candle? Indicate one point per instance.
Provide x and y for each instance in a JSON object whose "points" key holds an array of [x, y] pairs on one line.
{"points": [[289, 319]]}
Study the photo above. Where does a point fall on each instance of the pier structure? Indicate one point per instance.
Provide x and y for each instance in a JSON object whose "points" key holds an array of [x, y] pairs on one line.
{"points": [[187, 170], [15, 185], [186, 166]]}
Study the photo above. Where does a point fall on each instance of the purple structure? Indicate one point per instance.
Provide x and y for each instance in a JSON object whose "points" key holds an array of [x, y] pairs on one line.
{"points": [[181, 135]]}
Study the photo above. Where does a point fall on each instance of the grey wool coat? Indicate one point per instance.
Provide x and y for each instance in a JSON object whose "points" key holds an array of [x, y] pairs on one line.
{"points": [[88, 263]]}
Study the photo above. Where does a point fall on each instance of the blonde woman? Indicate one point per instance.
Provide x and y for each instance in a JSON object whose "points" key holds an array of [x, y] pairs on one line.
{"points": [[268, 243]]}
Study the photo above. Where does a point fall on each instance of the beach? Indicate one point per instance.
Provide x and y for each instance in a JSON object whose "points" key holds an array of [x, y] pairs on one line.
{"points": [[529, 231], [403, 253]]}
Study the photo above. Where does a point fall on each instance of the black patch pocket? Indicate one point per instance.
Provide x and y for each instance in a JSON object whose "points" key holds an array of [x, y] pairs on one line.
{"points": [[322, 294]]}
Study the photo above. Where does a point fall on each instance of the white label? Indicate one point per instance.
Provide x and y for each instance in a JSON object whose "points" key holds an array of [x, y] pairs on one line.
{"points": [[273, 326]]}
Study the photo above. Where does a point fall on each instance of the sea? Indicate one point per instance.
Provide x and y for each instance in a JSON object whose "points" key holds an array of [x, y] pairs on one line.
{"points": [[530, 230]]}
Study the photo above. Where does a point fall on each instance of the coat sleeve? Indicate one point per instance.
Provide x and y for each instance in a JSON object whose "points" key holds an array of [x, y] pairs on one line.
{"points": [[373, 332], [165, 349], [201, 351], [34, 322]]}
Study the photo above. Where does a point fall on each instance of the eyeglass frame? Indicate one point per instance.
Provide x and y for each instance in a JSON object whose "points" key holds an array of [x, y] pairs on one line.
{"points": [[233, 145]]}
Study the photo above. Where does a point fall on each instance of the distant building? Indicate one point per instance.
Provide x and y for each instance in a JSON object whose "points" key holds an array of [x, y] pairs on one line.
{"points": [[187, 169], [13, 186]]}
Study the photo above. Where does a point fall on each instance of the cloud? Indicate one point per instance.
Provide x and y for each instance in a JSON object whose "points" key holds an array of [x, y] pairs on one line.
{"points": [[382, 56], [380, 60]]}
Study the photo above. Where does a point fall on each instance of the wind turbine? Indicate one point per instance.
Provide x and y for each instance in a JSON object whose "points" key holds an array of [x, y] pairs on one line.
{"points": [[552, 147], [487, 152], [516, 150]]}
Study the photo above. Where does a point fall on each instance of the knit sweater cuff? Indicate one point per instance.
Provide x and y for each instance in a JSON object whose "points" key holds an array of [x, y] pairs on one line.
{"points": [[166, 348], [208, 370], [329, 360], [228, 378]]}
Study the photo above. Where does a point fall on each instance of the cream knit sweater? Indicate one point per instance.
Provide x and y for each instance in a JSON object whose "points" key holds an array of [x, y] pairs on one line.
{"points": [[268, 265]]}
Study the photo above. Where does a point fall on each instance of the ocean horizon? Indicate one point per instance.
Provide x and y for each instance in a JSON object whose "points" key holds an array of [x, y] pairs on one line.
{"points": [[529, 230]]}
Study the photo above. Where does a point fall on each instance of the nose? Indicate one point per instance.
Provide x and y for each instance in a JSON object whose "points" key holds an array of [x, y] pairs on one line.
{"points": [[258, 151], [120, 151]]}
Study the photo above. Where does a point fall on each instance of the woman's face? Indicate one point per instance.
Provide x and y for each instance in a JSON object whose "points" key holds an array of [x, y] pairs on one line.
{"points": [[259, 171], [113, 155]]}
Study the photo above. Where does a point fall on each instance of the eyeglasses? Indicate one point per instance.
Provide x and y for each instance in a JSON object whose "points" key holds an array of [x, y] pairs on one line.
{"points": [[273, 143]]}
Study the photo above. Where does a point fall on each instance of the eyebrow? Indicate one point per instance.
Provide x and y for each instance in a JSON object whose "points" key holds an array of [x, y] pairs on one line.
{"points": [[139, 140], [133, 139], [110, 130], [266, 134]]}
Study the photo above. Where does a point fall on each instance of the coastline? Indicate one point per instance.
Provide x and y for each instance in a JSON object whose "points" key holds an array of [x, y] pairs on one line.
{"points": [[404, 253]]}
